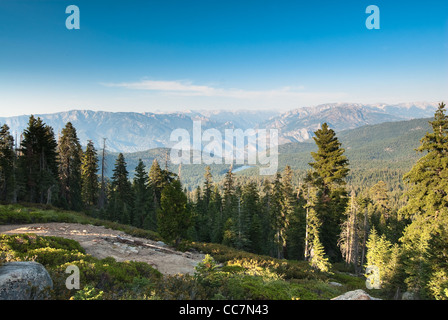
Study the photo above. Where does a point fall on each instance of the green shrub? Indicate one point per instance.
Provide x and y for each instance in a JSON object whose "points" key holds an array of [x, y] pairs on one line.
{"points": [[101, 278], [23, 243], [183, 287], [245, 287], [226, 273], [51, 257], [288, 269], [88, 293]]}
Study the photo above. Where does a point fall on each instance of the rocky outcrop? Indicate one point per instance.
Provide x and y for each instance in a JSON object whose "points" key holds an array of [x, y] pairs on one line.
{"points": [[24, 280], [355, 295]]}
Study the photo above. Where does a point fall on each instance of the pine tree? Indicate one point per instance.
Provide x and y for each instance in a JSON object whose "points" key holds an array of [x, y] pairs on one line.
{"points": [[330, 166], [208, 186], [229, 193], [141, 195], [313, 223], [363, 203], [156, 182], [7, 166], [207, 210], [203, 208], [381, 207], [428, 177], [229, 236], [318, 259], [297, 226], [89, 176], [230, 210], [384, 256], [276, 215], [121, 198], [103, 184], [351, 238], [289, 207], [250, 218], [425, 239], [268, 247], [329, 170], [198, 215], [216, 214], [241, 222], [69, 160], [173, 217], [38, 162]]}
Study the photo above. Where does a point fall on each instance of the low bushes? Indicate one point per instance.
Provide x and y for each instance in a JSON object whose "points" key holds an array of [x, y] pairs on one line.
{"points": [[289, 269], [100, 278], [241, 280], [230, 274]]}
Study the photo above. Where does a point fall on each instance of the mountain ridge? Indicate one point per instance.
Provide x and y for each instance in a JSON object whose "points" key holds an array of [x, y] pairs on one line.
{"points": [[133, 131]]}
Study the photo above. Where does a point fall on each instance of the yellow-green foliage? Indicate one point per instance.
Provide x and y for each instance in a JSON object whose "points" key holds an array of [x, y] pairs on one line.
{"points": [[88, 293], [255, 268], [226, 273], [99, 278], [240, 279], [287, 269]]}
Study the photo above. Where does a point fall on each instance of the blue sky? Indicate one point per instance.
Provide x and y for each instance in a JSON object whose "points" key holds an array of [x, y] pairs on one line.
{"points": [[175, 55]]}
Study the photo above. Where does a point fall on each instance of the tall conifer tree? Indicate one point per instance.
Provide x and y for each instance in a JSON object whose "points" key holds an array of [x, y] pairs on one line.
{"points": [[276, 215], [173, 216], [156, 182], [329, 170], [89, 176], [425, 240], [289, 207], [141, 195], [251, 218], [38, 162], [121, 198], [69, 160], [7, 166]]}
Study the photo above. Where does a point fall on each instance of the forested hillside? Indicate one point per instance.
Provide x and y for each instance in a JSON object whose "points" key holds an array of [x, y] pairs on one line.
{"points": [[362, 197], [385, 150]]}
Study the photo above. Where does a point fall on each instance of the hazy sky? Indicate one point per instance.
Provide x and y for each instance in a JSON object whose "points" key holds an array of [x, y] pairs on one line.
{"points": [[174, 55]]}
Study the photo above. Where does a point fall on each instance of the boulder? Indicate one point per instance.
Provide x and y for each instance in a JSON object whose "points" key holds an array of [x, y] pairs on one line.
{"points": [[355, 295], [24, 280]]}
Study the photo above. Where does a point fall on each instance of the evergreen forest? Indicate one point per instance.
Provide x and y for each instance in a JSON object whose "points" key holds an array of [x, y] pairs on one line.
{"points": [[326, 206]]}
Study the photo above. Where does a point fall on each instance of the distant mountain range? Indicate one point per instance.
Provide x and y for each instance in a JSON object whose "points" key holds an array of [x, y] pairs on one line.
{"points": [[133, 132], [372, 151], [299, 124]]}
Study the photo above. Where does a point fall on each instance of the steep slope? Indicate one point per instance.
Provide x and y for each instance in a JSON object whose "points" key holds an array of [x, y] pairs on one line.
{"points": [[298, 125]]}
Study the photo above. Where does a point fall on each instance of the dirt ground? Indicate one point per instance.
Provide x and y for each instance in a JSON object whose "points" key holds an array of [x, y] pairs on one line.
{"points": [[101, 242]]}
